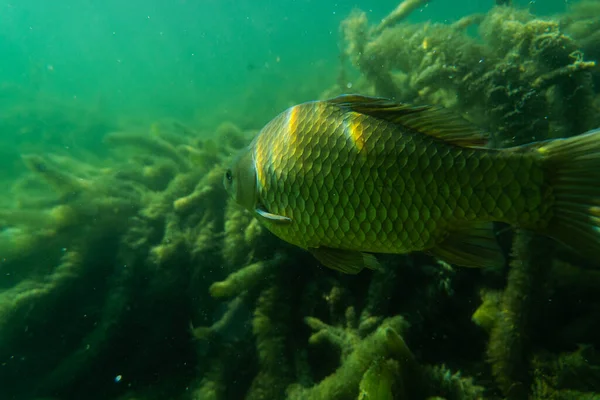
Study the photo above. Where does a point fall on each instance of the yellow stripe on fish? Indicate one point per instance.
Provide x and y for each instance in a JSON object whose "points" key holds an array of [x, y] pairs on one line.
{"points": [[260, 156], [354, 130]]}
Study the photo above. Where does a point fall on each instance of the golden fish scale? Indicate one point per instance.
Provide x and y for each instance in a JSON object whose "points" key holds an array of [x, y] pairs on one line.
{"points": [[352, 181]]}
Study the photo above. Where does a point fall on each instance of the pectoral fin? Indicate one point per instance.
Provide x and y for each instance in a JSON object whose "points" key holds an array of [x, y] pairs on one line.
{"points": [[473, 246], [272, 217], [346, 261]]}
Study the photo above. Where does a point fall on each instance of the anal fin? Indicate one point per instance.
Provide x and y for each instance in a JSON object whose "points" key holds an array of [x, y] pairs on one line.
{"points": [[474, 245], [346, 261]]}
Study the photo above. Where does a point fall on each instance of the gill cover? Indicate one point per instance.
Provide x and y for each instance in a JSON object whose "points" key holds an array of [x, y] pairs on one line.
{"points": [[244, 180]]}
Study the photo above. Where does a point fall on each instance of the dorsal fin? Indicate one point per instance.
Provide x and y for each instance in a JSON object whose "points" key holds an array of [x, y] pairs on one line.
{"points": [[435, 121]]}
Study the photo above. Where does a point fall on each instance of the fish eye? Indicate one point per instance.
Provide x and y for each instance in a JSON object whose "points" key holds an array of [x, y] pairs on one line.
{"points": [[228, 175]]}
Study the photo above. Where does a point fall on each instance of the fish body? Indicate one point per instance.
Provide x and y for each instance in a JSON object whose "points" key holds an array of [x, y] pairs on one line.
{"points": [[356, 175]]}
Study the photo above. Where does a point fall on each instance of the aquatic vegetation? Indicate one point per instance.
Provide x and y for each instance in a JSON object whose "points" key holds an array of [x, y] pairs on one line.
{"points": [[127, 273], [522, 75], [510, 340]]}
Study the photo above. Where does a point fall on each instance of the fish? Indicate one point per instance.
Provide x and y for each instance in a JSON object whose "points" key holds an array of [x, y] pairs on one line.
{"points": [[354, 176]]}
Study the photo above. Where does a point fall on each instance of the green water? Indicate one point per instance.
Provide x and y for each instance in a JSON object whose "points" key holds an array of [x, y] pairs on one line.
{"points": [[201, 61]]}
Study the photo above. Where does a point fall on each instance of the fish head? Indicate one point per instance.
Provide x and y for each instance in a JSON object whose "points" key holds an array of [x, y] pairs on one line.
{"points": [[240, 179]]}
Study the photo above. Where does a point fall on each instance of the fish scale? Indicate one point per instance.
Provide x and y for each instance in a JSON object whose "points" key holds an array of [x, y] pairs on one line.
{"points": [[356, 175], [396, 181]]}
